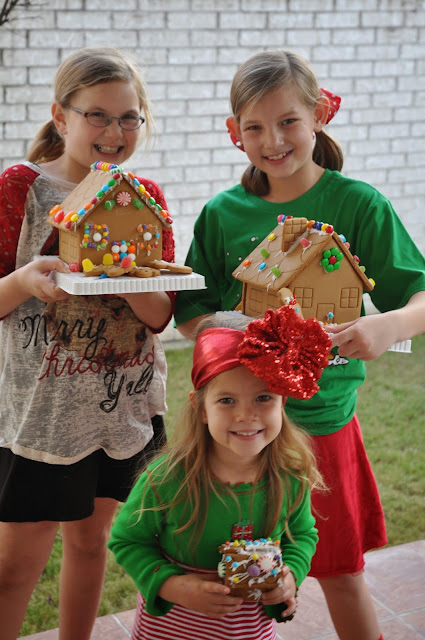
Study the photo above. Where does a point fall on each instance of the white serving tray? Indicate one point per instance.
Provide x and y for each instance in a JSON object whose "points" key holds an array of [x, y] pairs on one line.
{"points": [[81, 285]]}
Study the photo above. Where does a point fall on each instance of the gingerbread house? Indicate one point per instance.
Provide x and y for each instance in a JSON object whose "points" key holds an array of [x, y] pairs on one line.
{"points": [[109, 217], [305, 262]]}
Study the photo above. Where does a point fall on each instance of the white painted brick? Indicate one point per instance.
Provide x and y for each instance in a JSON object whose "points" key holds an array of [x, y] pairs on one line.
{"points": [[12, 39], [264, 5], [415, 19], [187, 158], [138, 20], [412, 50], [393, 130], [403, 174], [12, 113], [157, 92], [310, 5], [188, 124], [333, 53], [193, 56], [37, 112], [84, 20], [286, 20], [168, 175], [383, 52], [164, 5], [352, 5], [66, 4], [354, 69], [418, 129], [375, 178], [204, 140], [12, 148], [333, 20], [372, 116], [420, 99], [214, 38], [198, 189], [170, 141], [369, 146], [200, 20], [17, 130], [210, 72], [244, 21], [375, 161], [206, 174], [50, 38], [382, 19], [237, 54], [352, 164], [212, 107], [193, 90], [169, 108], [308, 37], [19, 76], [400, 68], [152, 39], [33, 19], [399, 145], [416, 159], [219, 5], [166, 73], [375, 85], [353, 36], [399, 99], [384, 36], [405, 115], [30, 58], [19, 95], [102, 38], [104, 5]]}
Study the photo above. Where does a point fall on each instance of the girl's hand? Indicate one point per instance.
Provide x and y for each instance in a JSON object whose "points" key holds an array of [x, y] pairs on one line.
{"points": [[35, 279], [200, 593], [285, 593], [367, 337]]}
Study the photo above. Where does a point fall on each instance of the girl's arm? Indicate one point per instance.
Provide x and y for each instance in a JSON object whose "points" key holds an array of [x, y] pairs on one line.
{"points": [[370, 336], [296, 556], [31, 280], [134, 542]]}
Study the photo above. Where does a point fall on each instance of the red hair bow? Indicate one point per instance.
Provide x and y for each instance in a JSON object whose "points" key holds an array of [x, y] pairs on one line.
{"points": [[286, 351], [334, 103]]}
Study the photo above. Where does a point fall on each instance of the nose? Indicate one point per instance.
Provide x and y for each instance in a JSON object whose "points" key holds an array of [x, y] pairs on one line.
{"points": [[274, 137], [245, 412], [113, 129]]}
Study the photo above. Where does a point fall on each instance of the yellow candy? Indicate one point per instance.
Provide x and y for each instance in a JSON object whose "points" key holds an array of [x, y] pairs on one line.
{"points": [[235, 579], [74, 218], [271, 236], [323, 227], [87, 264], [141, 188], [254, 556], [133, 264], [372, 281], [108, 259]]}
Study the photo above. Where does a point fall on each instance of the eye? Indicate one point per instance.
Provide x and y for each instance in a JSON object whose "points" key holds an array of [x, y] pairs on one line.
{"points": [[288, 121], [253, 127], [130, 118], [264, 398], [226, 401]]}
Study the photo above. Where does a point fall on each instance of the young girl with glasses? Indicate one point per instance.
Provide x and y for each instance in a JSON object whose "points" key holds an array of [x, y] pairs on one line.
{"points": [[82, 378], [235, 463], [279, 115]]}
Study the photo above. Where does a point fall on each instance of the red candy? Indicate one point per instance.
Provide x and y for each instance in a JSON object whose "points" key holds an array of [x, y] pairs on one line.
{"points": [[329, 229], [126, 262], [74, 267], [59, 216]]}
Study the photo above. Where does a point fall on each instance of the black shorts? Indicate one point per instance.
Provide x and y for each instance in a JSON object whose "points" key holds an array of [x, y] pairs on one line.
{"points": [[34, 491]]}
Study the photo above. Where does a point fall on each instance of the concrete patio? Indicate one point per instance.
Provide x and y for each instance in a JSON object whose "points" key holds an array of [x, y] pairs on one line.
{"points": [[396, 577]]}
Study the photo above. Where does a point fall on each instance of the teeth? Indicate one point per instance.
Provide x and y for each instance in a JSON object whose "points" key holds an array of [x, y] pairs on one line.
{"points": [[105, 149], [279, 157], [245, 433]]}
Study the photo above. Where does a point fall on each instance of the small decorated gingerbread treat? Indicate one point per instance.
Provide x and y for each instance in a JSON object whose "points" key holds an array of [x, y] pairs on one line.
{"points": [[251, 567]]}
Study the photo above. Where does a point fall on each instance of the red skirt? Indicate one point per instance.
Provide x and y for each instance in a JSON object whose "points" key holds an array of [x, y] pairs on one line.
{"points": [[249, 623], [349, 518]]}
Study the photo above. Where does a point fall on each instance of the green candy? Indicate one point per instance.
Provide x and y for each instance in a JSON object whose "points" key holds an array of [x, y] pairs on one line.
{"points": [[137, 203], [324, 262], [327, 254], [109, 204], [329, 268]]}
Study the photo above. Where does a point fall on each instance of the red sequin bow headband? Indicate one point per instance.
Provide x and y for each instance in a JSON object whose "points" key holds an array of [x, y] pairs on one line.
{"points": [[283, 349], [334, 104]]}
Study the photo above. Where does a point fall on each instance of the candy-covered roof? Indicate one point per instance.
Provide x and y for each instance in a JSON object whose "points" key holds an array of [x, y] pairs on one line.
{"points": [[292, 246], [94, 190]]}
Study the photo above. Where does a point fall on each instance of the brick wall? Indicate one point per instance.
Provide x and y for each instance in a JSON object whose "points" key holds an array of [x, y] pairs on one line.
{"points": [[371, 52]]}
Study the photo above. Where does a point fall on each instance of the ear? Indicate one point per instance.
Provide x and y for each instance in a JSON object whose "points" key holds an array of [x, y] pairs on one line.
{"points": [[233, 126], [321, 112], [59, 118]]}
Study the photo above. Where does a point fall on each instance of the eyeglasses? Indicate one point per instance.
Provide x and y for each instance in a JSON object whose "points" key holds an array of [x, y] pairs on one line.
{"points": [[100, 119]]}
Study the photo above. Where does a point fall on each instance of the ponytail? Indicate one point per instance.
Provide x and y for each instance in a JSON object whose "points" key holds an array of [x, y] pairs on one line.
{"points": [[47, 145], [327, 152]]}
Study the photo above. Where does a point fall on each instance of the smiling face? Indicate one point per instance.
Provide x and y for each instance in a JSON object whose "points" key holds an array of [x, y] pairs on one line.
{"points": [[243, 417], [86, 144], [277, 134]]}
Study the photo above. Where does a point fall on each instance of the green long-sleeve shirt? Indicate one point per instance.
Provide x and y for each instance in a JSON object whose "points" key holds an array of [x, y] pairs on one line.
{"points": [[140, 540]]}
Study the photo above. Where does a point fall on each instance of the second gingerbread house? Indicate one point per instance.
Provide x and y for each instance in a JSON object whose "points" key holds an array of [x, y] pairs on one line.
{"points": [[308, 262]]}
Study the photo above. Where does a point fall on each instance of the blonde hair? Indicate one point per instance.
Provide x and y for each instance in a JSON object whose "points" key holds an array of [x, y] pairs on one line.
{"points": [[268, 71], [86, 68], [186, 456]]}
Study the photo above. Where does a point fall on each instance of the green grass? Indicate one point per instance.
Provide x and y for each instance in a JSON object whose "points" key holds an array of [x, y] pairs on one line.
{"points": [[390, 409]]}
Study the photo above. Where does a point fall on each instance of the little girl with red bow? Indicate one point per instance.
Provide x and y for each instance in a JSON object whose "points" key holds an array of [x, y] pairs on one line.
{"points": [[235, 464]]}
